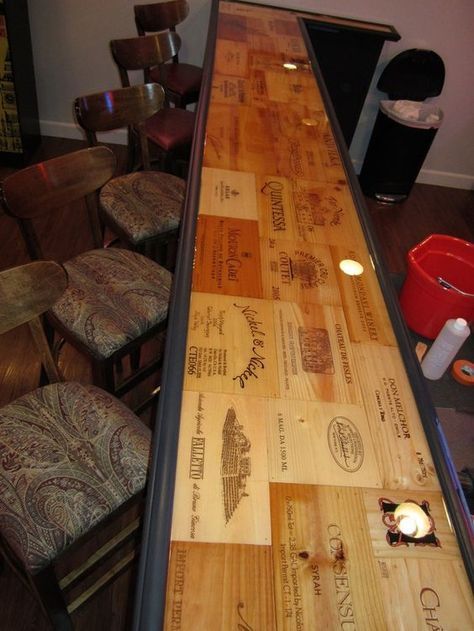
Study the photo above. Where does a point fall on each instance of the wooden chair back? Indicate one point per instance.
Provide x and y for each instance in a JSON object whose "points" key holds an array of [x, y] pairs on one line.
{"points": [[144, 53], [26, 292], [45, 187], [160, 16], [125, 107]]}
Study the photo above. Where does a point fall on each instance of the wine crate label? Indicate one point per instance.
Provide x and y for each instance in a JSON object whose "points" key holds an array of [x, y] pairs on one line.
{"points": [[222, 476], [231, 346], [439, 595], [387, 542], [296, 88], [297, 159], [298, 119], [320, 443], [228, 194], [330, 156], [227, 259], [227, 89], [201, 595], [295, 209], [298, 272], [231, 57], [314, 354], [238, 138], [400, 444], [323, 565], [291, 46], [366, 316]]}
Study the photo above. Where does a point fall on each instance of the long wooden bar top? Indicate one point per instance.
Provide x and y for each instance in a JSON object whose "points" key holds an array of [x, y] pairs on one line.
{"points": [[300, 430]]}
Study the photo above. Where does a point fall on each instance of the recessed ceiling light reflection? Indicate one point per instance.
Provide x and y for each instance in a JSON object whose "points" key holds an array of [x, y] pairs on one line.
{"points": [[290, 66], [350, 267]]}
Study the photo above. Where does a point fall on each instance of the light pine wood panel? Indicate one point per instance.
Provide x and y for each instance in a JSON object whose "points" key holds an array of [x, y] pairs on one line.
{"points": [[231, 346], [219, 587], [323, 564], [297, 209], [320, 443], [297, 271], [366, 315], [400, 444], [222, 475], [315, 360]]}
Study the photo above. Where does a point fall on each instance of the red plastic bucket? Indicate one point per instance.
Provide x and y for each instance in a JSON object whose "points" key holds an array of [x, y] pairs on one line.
{"points": [[425, 303]]}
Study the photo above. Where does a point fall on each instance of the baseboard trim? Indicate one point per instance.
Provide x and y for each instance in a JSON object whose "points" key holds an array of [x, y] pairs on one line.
{"points": [[74, 132], [437, 178]]}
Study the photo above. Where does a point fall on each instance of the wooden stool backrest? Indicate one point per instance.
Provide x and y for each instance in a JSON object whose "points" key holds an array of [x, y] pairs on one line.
{"points": [[125, 107], [143, 53], [26, 292], [42, 188], [160, 16]]}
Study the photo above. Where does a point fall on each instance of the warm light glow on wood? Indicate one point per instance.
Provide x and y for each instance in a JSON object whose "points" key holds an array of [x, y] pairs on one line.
{"points": [[350, 267], [290, 66]]}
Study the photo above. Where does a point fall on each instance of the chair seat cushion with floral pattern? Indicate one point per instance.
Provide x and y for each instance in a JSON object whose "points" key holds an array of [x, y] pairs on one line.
{"points": [[171, 128], [182, 78], [144, 204], [113, 297], [70, 454]]}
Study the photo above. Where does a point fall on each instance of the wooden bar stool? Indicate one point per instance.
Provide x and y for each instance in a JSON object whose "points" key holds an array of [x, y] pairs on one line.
{"points": [[116, 299], [72, 456], [171, 129], [182, 81], [142, 208]]}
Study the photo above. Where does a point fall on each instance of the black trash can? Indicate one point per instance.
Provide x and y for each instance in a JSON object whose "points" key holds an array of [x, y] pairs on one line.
{"points": [[405, 126]]}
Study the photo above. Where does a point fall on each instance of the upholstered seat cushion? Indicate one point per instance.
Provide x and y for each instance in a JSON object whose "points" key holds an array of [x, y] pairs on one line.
{"points": [[144, 204], [70, 454], [113, 297], [171, 128], [183, 79]]}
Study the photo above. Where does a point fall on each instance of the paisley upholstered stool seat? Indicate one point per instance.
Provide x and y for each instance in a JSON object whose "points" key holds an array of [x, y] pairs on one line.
{"points": [[113, 297], [70, 455], [143, 208], [143, 204]]}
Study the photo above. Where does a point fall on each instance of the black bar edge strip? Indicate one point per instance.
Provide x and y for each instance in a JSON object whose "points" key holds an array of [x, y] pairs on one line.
{"points": [[150, 591], [452, 492]]}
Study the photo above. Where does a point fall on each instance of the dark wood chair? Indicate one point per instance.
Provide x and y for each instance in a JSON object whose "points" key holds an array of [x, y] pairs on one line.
{"points": [[142, 208], [182, 81], [72, 458], [116, 299], [170, 130]]}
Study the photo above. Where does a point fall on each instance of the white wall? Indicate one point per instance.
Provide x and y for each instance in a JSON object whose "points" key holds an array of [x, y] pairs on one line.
{"points": [[70, 45]]}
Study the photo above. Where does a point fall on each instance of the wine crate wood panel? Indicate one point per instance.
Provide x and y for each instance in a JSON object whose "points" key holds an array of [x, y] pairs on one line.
{"points": [[231, 346], [219, 587], [299, 434], [366, 317], [222, 476], [227, 257], [399, 440], [314, 354], [320, 443]]}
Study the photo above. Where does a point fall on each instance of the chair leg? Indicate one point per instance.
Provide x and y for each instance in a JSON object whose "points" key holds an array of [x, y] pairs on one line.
{"points": [[51, 597], [103, 375]]}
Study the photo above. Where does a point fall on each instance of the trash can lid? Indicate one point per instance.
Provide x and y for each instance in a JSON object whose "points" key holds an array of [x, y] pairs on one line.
{"points": [[413, 74]]}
